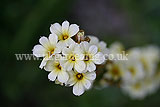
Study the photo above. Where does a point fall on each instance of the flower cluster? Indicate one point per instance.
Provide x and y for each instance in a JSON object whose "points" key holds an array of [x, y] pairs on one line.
{"points": [[77, 60], [70, 57], [139, 75]]}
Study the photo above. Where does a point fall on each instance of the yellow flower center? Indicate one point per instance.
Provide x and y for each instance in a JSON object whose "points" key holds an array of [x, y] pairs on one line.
{"points": [[79, 76], [132, 70], [72, 58], [137, 86], [86, 58], [145, 65], [65, 37], [99, 50], [59, 67], [115, 71], [51, 52]]}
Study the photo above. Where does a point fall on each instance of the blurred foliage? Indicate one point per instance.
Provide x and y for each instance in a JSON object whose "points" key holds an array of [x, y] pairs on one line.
{"points": [[22, 83], [145, 20]]}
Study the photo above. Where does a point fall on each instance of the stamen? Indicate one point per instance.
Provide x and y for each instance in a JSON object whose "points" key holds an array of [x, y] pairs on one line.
{"points": [[132, 70], [86, 58], [137, 86], [79, 76], [72, 58], [59, 66], [50, 52], [115, 71], [65, 37]]}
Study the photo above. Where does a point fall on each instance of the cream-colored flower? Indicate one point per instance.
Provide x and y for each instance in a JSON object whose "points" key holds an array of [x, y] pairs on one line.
{"points": [[151, 84], [73, 58], [148, 56], [91, 56], [135, 90], [47, 48], [133, 70], [102, 46], [81, 81], [114, 71], [141, 88], [115, 49], [145, 82], [56, 70], [64, 32]]}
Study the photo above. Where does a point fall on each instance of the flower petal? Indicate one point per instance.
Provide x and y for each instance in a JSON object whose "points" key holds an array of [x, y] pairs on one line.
{"points": [[91, 66], [65, 27], [57, 50], [39, 51], [80, 66], [85, 46], [56, 28], [63, 76], [69, 41], [93, 40], [78, 51], [62, 44], [102, 44], [68, 66], [72, 80], [73, 29], [102, 48], [44, 41], [53, 39], [90, 75], [49, 65], [66, 51], [78, 89], [43, 63], [52, 75], [99, 58], [86, 83], [93, 49]]}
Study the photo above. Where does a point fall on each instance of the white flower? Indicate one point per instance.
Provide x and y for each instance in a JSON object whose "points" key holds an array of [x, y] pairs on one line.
{"points": [[148, 56], [114, 71], [135, 90], [141, 88], [142, 63], [64, 32], [102, 46], [73, 58], [56, 71], [115, 49], [91, 56], [81, 81], [152, 84], [133, 70], [47, 48]]}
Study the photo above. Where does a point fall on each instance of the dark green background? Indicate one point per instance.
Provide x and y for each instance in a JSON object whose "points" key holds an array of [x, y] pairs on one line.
{"points": [[22, 22]]}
